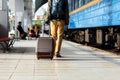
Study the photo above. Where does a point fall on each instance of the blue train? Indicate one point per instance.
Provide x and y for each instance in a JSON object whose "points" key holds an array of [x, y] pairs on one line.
{"points": [[95, 22]]}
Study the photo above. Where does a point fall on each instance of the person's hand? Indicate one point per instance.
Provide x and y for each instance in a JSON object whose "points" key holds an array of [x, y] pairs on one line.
{"points": [[46, 24]]}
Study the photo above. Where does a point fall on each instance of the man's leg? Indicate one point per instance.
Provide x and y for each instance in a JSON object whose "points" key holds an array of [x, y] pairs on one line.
{"points": [[60, 32], [53, 26]]}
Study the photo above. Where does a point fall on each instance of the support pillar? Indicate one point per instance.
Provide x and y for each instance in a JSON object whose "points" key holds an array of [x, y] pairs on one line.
{"points": [[3, 18]]}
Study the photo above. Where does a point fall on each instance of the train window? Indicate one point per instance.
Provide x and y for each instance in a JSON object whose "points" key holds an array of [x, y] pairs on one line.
{"points": [[82, 2], [79, 3], [70, 5], [89, 1], [85, 1], [76, 4]]}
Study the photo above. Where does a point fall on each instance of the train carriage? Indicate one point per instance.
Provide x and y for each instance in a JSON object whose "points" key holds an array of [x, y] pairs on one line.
{"points": [[95, 22]]}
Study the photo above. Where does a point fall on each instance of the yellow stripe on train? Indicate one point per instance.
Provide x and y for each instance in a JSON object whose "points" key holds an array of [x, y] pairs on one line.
{"points": [[85, 6]]}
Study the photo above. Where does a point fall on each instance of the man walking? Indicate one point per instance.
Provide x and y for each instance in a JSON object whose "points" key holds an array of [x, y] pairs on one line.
{"points": [[58, 17]]}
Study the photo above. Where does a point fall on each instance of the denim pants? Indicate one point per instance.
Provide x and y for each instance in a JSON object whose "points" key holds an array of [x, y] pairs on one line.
{"points": [[57, 30]]}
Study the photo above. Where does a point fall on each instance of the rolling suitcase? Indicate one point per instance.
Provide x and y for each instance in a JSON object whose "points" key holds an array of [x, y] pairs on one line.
{"points": [[45, 47]]}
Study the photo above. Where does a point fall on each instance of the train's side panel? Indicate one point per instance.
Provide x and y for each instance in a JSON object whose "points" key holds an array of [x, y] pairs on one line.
{"points": [[94, 22], [96, 15], [115, 8]]}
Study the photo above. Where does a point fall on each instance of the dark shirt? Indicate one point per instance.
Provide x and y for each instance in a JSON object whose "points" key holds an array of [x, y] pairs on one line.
{"points": [[20, 29]]}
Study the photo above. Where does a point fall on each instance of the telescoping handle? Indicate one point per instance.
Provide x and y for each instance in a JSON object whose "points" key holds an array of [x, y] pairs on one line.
{"points": [[43, 28]]}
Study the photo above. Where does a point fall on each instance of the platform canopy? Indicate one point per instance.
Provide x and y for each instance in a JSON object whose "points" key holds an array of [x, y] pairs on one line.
{"points": [[39, 3]]}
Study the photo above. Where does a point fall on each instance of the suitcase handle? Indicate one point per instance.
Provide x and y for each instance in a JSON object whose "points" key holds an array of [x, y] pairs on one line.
{"points": [[43, 27]]}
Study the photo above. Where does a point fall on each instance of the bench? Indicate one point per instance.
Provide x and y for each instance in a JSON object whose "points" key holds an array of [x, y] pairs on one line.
{"points": [[6, 43]]}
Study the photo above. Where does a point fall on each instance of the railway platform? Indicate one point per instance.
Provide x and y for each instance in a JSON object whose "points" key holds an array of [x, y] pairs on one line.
{"points": [[78, 62]]}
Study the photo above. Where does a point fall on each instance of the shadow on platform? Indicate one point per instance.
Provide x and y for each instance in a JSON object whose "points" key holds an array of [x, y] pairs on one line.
{"points": [[21, 50]]}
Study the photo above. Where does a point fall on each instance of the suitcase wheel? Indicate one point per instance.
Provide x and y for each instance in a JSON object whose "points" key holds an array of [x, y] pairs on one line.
{"points": [[38, 58]]}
